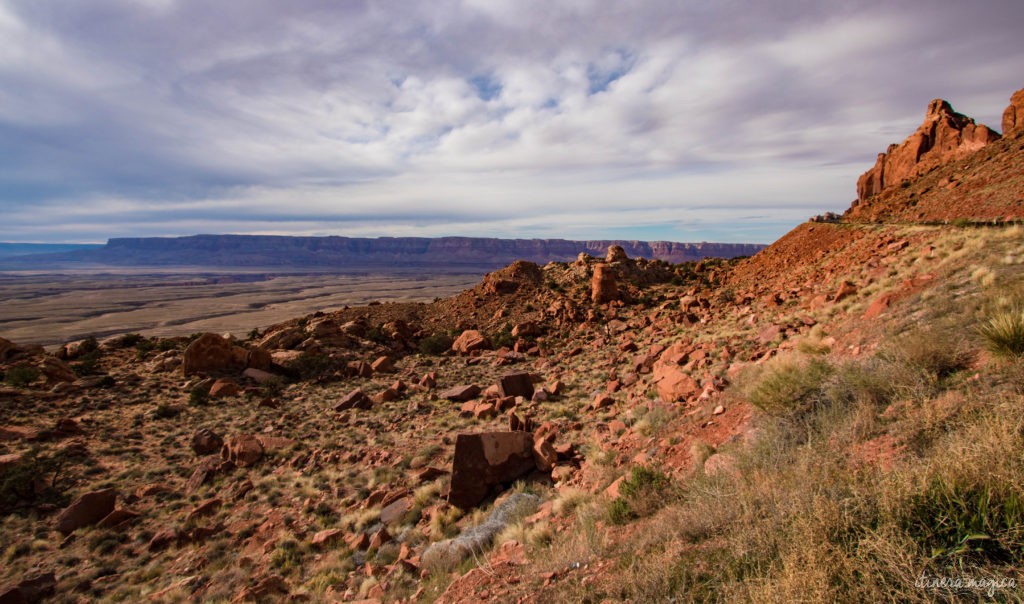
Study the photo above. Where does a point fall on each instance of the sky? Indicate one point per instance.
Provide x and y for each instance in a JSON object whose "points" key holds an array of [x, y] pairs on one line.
{"points": [[681, 120]]}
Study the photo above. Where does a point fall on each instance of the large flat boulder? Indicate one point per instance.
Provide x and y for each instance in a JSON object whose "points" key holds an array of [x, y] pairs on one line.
{"points": [[88, 509], [486, 459]]}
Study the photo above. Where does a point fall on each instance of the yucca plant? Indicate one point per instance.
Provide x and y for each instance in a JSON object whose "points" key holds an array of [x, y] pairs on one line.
{"points": [[1004, 332]]}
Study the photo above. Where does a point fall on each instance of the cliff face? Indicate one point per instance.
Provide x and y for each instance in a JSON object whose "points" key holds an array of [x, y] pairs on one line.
{"points": [[1013, 117], [944, 136], [398, 252]]}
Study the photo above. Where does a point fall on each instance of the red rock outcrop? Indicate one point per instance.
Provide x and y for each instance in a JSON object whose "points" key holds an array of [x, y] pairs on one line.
{"points": [[1013, 117], [944, 136], [603, 287]]}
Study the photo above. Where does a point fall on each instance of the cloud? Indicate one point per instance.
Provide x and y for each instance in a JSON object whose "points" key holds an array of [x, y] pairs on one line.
{"points": [[519, 119]]}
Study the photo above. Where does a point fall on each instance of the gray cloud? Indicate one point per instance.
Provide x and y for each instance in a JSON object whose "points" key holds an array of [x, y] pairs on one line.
{"points": [[503, 117]]}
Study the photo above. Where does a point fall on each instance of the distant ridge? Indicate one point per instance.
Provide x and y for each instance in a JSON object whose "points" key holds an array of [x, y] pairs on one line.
{"points": [[384, 252], [22, 249]]}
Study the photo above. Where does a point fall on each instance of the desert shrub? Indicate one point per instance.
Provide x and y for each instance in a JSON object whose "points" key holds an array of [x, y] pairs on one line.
{"points": [[940, 352], [89, 345], [199, 397], [503, 338], [645, 491], [378, 335], [619, 511], [311, 366], [435, 344], [790, 385], [143, 347], [20, 376], [953, 518], [36, 478], [129, 340], [88, 363], [1003, 333]]}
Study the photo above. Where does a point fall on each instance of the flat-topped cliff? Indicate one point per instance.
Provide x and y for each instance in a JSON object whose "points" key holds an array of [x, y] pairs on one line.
{"points": [[342, 252]]}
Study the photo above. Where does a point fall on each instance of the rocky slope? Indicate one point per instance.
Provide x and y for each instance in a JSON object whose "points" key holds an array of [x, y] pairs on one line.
{"points": [[345, 252], [594, 430]]}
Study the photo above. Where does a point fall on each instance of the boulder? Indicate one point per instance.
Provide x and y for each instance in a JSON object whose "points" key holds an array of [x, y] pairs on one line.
{"points": [[212, 353], [33, 588], [616, 254], [285, 338], [486, 459], [516, 384], [1013, 117], [258, 375], [225, 387], [471, 340], [944, 136], [544, 454], [88, 509], [259, 359], [672, 382], [8, 350], [603, 287], [243, 450], [206, 441], [356, 399], [461, 393], [383, 364]]}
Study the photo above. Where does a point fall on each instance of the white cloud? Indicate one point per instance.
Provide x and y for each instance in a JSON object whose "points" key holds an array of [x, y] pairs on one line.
{"points": [[443, 117]]}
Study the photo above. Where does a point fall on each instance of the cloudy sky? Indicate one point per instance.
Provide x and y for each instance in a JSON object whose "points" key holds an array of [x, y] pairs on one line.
{"points": [[685, 120]]}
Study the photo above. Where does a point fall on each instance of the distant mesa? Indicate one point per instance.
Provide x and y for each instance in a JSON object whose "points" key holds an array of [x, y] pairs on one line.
{"points": [[341, 253], [944, 136]]}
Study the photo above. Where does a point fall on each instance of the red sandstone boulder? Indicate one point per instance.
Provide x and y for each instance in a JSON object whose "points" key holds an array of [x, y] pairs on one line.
{"points": [[603, 287], [487, 459], [212, 353], [356, 399], [470, 341], [243, 450], [616, 253], [516, 384], [206, 441], [88, 509], [225, 387], [672, 382], [461, 393], [944, 136]]}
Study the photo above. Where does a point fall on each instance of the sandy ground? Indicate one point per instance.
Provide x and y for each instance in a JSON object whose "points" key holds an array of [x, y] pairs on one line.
{"points": [[51, 308]]}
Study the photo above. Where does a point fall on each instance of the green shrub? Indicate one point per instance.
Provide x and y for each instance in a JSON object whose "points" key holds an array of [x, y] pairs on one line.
{"points": [[1004, 333], [789, 386], [956, 519], [644, 492], [34, 479], [129, 340], [311, 366], [199, 397], [503, 337], [21, 375], [88, 363], [436, 344], [619, 511]]}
